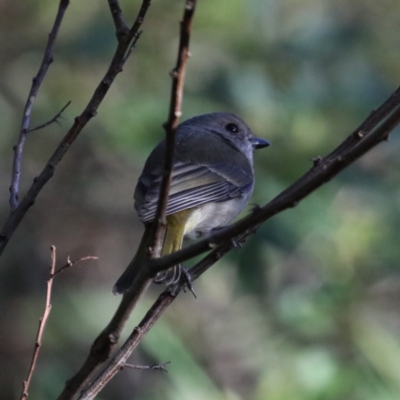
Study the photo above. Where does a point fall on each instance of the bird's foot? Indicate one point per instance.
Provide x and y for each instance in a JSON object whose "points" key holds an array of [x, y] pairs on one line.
{"points": [[186, 279], [168, 277], [174, 275]]}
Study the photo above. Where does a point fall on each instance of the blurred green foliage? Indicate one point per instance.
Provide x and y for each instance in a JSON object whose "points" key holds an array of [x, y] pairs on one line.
{"points": [[309, 308]]}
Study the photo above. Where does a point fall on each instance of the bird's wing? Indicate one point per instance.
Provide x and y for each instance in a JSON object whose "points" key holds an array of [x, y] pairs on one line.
{"points": [[191, 186]]}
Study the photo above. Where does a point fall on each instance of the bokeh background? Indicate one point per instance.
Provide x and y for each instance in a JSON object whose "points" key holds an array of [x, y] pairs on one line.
{"points": [[310, 307]]}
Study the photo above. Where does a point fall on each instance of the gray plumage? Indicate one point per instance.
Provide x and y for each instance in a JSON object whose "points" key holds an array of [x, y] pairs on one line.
{"points": [[211, 165]]}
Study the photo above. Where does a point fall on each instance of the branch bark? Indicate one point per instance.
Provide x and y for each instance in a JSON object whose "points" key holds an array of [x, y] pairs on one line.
{"points": [[46, 314], [42, 324], [372, 131], [121, 27], [119, 360], [118, 60]]}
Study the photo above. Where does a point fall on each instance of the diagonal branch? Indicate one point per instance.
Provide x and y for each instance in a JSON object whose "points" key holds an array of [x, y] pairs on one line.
{"points": [[121, 27], [371, 132], [36, 83], [117, 63], [119, 360], [53, 120]]}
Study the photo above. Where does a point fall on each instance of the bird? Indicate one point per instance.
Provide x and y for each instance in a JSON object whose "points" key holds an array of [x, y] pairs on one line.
{"points": [[212, 180]]}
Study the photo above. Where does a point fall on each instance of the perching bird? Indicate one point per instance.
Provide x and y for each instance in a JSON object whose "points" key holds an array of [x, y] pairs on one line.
{"points": [[212, 181]]}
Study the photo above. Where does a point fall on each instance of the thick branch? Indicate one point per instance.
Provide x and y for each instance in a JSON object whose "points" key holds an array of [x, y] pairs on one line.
{"points": [[119, 360], [36, 83], [121, 27], [89, 112], [373, 130]]}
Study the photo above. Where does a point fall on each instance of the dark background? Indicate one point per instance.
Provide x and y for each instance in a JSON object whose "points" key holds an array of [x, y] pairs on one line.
{"points": [[309, 308]]}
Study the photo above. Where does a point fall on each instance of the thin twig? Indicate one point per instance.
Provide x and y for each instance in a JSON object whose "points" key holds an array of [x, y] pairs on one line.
{"points": [[133, 44], [36, 83], [46, 313], [117, 63], [53, 120], [70, 264], [42, 324], [175, 111], [159, 367]]}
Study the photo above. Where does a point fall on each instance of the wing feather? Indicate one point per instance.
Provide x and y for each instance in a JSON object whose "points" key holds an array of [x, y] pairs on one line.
{"points": [[191, 186]]}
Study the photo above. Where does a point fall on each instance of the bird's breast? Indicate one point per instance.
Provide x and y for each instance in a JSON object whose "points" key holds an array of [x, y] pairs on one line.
{"points": [[213, 215]]}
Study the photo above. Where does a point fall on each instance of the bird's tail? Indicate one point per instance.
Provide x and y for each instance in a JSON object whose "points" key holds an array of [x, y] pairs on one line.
{"points": [[125, 280], [176, 224], [173, 242]]}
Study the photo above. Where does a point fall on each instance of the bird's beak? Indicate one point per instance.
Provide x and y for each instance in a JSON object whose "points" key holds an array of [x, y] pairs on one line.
{"points": [[259, 143]]}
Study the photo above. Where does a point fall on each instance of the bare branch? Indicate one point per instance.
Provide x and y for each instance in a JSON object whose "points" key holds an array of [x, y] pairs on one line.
{"points": [[161, 304], [42, 324], [107, 339], [70, 264], [119, 360], [159, 367], [133, 45], [46, 313], [372, 131], [121, 27], [36, 83], [89, 112], [175, 111], [54, 119]]}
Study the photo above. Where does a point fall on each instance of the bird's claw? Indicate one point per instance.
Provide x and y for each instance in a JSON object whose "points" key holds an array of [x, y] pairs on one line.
{"points": [[187, 281]]}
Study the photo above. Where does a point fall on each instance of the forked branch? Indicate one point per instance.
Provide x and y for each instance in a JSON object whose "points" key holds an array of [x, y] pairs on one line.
{"points": [[26, 118], [46, 314], [19, 210]]}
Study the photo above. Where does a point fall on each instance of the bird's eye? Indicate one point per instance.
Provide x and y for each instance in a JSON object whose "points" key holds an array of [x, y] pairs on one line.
{"points": [[233, 128]]}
